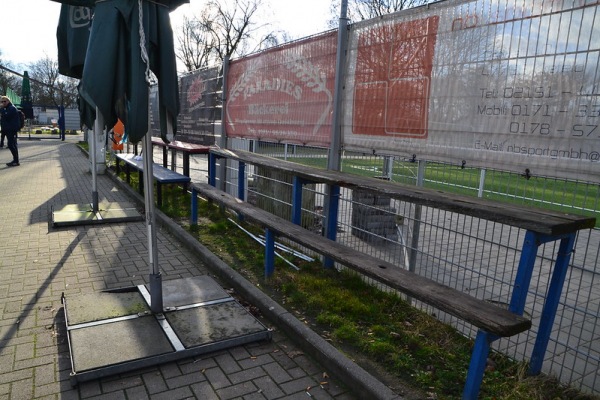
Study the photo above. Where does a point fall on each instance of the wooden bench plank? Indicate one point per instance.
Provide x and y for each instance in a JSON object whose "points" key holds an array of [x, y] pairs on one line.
{"points": [[535, 219], [161, 174], [480, 313]]}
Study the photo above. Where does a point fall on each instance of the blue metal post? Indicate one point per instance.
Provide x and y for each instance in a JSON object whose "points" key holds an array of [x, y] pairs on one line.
{"points": [[477, 365], [212, 169], [194, 205], [332, 218], [297, 200], [549, 312], [241, 181], [524, 272], [269, 253]]}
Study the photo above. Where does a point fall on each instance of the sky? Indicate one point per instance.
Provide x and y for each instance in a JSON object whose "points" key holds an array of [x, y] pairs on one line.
{"points": [[31, 24]]}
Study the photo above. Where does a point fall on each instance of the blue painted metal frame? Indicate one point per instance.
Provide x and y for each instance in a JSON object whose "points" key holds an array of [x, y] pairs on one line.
{"points": [[212, 167], [332, 218], [529, 250], [194, 206], [483, 340], [557, 281], [241, 181], [297, 185], [269, 253]]}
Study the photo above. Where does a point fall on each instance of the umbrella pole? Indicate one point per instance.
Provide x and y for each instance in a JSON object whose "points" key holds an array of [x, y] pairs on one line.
{"points": [[98, 126], [156, 300]]}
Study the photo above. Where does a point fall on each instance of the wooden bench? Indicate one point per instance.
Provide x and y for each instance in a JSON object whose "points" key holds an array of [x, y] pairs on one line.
{"points": [[187, 149], [542, 226], [162, 175], [482, 314]]}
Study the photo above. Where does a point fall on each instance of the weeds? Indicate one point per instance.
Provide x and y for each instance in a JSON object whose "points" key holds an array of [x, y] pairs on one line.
{"points": [[363, 321], [407, 343]]}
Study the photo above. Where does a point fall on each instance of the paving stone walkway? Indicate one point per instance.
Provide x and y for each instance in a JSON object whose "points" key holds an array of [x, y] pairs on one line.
{"points": [[40, 263]]}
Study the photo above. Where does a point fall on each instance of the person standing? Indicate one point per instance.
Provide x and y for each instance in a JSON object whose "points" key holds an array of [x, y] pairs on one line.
{"points": [[10, 124]]}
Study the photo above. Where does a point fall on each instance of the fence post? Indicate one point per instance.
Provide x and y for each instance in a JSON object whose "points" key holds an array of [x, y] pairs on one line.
{"points": [[414, 244], [481, 183]]}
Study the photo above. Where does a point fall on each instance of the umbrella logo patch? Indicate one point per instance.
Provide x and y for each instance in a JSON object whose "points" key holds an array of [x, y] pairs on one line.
{"points": [[80, 17]]}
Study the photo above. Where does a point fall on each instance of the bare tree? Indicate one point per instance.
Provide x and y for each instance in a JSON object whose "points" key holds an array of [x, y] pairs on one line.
{"points": [[360, 10], [49, 87], [223, 29], [195, 45], [8, 80]]}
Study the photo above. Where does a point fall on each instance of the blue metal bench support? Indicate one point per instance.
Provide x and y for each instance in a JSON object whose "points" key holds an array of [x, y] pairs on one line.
{"points": [[551, 305], [539, 230], [477, 365], [529, 252], [524, 273], [194, 207], [242, 181], [297, 185], [331, 219], [269, 253], [212, 169]]}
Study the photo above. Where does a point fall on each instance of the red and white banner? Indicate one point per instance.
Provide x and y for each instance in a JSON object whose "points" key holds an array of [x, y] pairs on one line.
{"points": [[284, 94], [502, 84]]}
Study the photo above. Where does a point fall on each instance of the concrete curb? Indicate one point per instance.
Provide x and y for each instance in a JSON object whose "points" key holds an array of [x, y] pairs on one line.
{"points": [[363, 384]]}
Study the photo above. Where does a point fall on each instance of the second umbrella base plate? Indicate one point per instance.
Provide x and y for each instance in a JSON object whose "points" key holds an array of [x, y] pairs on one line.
{"points": [[115, 332]]}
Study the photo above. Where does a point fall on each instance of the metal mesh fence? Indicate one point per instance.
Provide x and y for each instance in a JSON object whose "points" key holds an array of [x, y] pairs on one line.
{"points": [[473, 255]]}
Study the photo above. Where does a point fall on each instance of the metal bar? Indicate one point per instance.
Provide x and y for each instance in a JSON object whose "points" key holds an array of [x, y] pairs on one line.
{"points": [[297, 200], [221, 139], [159, 194], [480, 190], [290, 250], [269, 253], [194, 206], [102, 322], [173, 160], [242, 181], [155, 279], [204, 304], [333, 206], [263, 242], [212, 169], [524, 272], [551, 305], [414, 243], [98, 126], [334, 159], [169, 333], [186, 163], [477, 366]]}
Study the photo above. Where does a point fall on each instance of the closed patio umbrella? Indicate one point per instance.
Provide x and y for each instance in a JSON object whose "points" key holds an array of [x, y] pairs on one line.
{"points": [[72, 37], [117, 75], [127, 40], [26, 104]]}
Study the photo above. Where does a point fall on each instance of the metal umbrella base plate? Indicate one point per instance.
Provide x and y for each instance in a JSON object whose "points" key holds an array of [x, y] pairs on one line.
{"points": [[114, 332], [83, 214]]}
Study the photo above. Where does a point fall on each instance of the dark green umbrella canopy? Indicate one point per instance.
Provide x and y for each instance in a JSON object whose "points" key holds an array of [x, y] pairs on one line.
{"points": [[72, 37], [114, 75], [26, 104]]}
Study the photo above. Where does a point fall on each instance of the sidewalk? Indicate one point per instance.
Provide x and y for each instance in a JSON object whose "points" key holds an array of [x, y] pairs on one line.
{"points": [[39, 263]]}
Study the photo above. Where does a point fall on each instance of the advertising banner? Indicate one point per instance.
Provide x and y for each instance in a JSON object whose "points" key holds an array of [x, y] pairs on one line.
{"points": [[284, 94], [200, 103], [200, 107], [497, 83]]}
